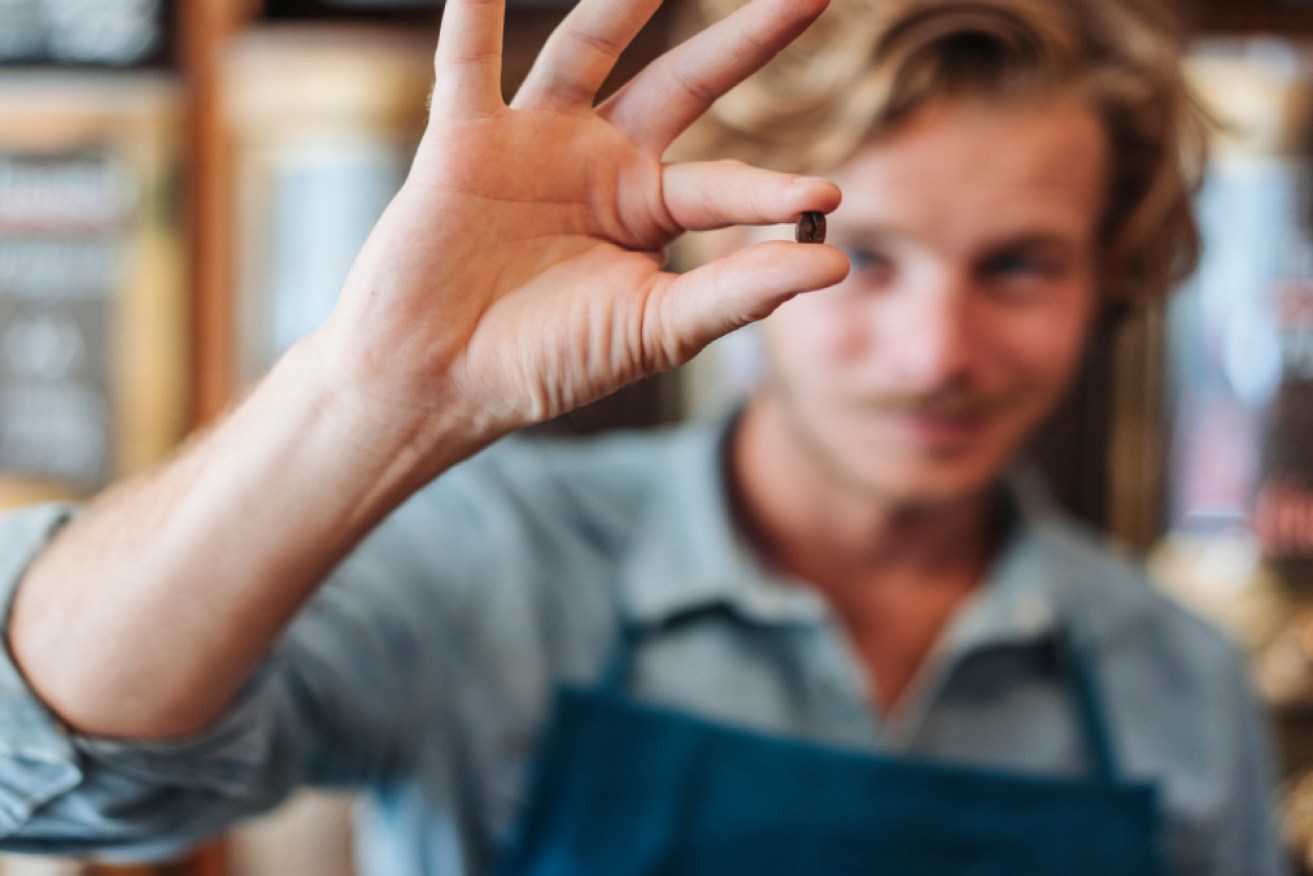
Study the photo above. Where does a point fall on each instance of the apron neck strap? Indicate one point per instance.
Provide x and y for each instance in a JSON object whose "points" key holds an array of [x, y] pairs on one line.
{"points": [[615, 677], [619, 666], [1077, 671]]}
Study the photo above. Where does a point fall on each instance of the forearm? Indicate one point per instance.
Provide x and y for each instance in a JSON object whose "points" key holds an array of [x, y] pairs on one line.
{"points": [[146, 615]]}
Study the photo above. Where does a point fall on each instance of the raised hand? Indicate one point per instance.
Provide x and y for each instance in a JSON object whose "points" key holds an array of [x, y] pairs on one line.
{"points": [[518, 273]]}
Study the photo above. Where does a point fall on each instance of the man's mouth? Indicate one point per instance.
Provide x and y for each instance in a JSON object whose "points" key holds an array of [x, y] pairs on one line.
{"points": [[942, 432], [946, 424]]}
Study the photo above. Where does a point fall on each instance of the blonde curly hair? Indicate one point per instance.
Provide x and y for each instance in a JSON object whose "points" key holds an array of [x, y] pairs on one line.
{"points": [[868, 64]]}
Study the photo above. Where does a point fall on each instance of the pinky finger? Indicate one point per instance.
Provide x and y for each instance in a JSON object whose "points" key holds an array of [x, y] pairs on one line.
{"points": [[468, 59]]}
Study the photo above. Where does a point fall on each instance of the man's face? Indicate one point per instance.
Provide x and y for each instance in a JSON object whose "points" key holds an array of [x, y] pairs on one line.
{"points": [[973, 234]]}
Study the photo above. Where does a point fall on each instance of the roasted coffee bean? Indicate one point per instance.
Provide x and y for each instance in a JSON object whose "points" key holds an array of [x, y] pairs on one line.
{"points": [[811, 228]]}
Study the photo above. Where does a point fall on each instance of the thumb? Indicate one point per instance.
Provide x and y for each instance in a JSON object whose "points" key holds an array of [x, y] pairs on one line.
{"points": [[713, 300]]}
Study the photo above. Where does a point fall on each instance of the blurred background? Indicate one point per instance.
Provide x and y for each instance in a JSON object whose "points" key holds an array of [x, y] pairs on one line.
{"points": [[184, 183]]}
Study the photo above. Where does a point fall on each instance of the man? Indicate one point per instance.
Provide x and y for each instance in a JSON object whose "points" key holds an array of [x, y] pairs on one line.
{"points": [[785, 614]]}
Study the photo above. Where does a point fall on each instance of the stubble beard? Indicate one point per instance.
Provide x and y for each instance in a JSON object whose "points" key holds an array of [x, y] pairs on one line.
{"points": [[829, 462]]}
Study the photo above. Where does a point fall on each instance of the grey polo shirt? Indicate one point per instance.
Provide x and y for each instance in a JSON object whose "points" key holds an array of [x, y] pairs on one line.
{"points": [[423, 671]]}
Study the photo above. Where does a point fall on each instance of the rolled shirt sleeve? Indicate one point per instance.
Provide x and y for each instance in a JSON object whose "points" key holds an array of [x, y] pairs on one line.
{"points": [[65, 792], [340, 703], [38, 762], [423, 666]]}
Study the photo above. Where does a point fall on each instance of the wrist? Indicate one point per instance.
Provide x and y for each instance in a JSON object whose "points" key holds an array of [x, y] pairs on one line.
{"points": [[404, 435]]}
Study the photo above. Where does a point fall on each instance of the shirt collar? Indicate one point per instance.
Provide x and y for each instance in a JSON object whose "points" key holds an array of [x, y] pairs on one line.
{"points": [[689, 556], [1016, 603]]}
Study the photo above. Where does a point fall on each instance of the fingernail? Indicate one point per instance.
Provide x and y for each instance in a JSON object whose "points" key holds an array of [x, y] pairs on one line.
{"points": [[810, 180]]}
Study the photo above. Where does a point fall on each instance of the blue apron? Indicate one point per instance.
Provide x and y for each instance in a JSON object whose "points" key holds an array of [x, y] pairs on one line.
{"points": [[627, 789]]}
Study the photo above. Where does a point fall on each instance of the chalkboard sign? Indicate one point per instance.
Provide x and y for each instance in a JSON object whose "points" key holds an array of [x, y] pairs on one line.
{"points": [[92, 339], [63, 223]]}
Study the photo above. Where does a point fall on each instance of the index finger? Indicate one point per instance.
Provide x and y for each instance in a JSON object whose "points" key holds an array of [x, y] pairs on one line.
{"points": [[673, 91]]}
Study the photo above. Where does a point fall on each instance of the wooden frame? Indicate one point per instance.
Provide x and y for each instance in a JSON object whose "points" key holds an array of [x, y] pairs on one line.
{"points": [[204, 28]]}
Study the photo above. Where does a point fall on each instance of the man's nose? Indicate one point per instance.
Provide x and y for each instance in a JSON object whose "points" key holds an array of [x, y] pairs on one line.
{"points": [[931, 336]]}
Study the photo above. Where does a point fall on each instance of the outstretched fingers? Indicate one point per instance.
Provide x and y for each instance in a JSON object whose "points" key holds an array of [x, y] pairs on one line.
{"points": [[662, 101], [468, 60], [714, 194], [703, 304], [582, 52]]}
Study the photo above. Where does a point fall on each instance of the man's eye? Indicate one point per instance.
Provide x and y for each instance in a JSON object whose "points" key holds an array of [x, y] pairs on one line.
{"points": [[864, 260], [1018, 265]]}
